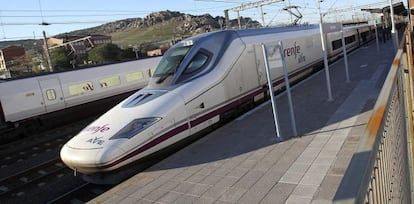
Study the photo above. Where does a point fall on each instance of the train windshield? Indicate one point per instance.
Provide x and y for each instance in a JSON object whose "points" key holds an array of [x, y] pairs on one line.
{"points": [[170, 63]]}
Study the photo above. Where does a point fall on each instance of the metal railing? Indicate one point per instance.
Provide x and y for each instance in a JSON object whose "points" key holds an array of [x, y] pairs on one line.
{"points": [[380, 170]]}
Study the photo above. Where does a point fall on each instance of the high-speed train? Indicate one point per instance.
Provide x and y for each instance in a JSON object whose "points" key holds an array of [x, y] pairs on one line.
{"points": [[34, 97], [196, 83]]}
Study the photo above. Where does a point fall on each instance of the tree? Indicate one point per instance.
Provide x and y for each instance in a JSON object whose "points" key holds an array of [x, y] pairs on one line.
{"points": [[36, 65], [105, 53], [128, 54], [147, 46], [60, 58]]}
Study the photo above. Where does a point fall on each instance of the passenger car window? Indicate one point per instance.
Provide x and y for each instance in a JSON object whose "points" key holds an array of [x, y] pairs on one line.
{"points": [[51, 94], [110, 81], [336, 44], [134, 76], [80, 88]]}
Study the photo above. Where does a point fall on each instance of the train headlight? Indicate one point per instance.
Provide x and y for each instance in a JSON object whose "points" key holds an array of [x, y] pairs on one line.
{"points": [[134, 127]]}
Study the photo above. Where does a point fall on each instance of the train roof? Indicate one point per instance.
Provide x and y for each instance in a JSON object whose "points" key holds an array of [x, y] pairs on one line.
{"points": [[272, 30], [355, 26], [268, 30], [244, 33], [88, 67]]}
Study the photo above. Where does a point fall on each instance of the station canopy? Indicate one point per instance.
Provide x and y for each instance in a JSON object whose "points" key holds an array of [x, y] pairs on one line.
{"points": [[399, 9]]}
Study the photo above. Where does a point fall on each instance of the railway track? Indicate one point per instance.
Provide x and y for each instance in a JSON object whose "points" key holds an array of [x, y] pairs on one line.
{"points": [[32, 151], [31, 169], [34, 176], [28, 148], [81, 193]]}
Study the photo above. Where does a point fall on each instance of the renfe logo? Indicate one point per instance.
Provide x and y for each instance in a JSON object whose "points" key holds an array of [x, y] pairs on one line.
{"points": [[294, 50], [95, 129]]}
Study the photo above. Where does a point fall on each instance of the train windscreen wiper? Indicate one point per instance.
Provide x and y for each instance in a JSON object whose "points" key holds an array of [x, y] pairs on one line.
{"points": [[164, 76], [170, 71]]}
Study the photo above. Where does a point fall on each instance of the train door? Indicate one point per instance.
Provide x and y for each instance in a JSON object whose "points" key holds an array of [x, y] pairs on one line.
{"points": [[274, 60], [243, 76], [260, 66], [198, 112], [52, 94]]}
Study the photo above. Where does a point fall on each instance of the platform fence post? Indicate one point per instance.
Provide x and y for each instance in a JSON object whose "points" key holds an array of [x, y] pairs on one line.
{"points": [[324, 53], [345, 55], [272, 97], [286, 76]]}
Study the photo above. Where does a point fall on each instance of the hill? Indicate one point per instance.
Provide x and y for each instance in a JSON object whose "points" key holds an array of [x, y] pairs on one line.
{"points": [[157, 26], [160, 26], [28, 44]]}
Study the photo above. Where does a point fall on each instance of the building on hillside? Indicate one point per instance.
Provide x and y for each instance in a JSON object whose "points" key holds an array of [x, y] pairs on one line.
{"points": [[12, 58], [79, 45], [162, 48], [156, 52]]}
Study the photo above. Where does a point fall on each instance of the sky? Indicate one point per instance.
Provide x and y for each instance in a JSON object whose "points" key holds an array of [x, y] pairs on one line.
{"points": [[22, 19]]}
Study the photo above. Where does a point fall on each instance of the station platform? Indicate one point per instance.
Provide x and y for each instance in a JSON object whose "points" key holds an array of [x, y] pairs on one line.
{"points": [[242, 162]]}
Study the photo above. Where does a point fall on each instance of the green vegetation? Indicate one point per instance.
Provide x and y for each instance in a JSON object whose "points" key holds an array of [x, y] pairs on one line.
{"points": [[105, 53], [60, 58], [36, 66], [135, 36]]}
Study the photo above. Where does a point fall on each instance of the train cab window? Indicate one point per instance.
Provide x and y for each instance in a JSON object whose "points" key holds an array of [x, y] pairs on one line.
{"points": [[196, 65], [51, 94], [169, 64]]}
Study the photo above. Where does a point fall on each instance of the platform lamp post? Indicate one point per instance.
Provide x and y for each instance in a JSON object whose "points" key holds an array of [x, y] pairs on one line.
{"points": [[325, 57]]}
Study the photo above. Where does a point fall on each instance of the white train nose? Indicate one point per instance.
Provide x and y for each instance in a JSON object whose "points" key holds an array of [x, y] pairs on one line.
{"points": [[89, 160]]}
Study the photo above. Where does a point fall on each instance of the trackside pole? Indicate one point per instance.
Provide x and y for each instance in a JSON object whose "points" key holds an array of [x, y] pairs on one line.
{"points": [[285, 73], [272, 97], [345, 56]]}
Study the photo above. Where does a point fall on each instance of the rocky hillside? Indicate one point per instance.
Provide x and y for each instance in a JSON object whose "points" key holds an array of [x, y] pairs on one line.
{"points": [[186, 23], [156, 26]]}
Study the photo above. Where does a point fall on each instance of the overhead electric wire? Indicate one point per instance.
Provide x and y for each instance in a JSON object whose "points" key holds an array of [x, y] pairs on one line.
{"points": [[128, 13], [2, 27], [332, 5], [41, 13], [82, 14], [70, 10], [108, 13], [222, 1], [22, 37], [74, 15], [358, 7], [101, 11], [53, 23]]}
